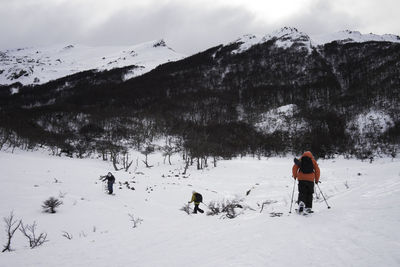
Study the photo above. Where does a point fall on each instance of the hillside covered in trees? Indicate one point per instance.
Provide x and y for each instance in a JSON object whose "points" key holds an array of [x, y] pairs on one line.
{"points": [[281, 95]]}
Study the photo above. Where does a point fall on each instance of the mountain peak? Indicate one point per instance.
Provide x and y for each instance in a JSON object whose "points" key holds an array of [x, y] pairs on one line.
{"points": [[36, 65], [160, 43], [284, 38], [286, 30]]}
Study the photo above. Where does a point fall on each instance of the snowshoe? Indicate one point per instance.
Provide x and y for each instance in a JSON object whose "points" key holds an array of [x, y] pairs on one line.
{"points": [[308, 210]]}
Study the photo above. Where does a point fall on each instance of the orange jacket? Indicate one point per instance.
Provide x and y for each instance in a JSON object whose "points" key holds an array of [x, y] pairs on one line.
{"points": [[307, 176]]}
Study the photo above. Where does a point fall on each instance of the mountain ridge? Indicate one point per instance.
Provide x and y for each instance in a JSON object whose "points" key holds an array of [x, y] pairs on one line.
{"points": [[38, 65]]}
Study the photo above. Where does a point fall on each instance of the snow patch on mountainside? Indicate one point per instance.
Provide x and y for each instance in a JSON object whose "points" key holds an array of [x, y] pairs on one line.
{"points": [[280, 119], [37, 65], [284, 38], [370, 122]]}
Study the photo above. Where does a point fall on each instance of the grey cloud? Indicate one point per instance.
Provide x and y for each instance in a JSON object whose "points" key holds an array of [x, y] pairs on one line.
{"points": [[322, 18], [187, 26]]}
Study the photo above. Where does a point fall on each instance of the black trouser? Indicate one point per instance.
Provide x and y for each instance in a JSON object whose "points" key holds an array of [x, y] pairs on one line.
{"points": [[306, 191], [196, 208], [110, 187]]}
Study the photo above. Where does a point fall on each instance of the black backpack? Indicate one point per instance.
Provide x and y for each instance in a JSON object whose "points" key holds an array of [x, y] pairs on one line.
{"points": [[198, 197], [306, 165]]}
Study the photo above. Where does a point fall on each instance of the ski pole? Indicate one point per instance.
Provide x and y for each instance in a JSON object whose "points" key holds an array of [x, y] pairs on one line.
{"points": [[291, 202], [323, 196]]}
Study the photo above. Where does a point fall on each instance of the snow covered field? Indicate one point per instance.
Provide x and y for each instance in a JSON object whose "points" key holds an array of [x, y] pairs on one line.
{"points": [[361, 228]]}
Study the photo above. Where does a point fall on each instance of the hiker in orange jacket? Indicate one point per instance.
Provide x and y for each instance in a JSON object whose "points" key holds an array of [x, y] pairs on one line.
{"points": [[306, 170]]}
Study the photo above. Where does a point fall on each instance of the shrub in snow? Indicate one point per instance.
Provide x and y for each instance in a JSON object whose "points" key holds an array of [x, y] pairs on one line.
{"points": [[227, 207], [11, 226], [214, 208], [51, 204], [186, 208], [67, 235], [29, 231], [135, 221]]}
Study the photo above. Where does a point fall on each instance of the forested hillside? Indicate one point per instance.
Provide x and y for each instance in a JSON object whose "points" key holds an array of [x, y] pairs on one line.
{"points": [[277, 96]]}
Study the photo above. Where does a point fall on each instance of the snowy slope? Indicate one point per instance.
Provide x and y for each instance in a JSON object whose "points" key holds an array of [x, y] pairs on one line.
{"points": [[284, 38], [348, 36], [361, 228], [38, 65], [288, 37]]}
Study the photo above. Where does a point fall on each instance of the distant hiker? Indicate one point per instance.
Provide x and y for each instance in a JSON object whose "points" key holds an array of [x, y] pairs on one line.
{"points": [[110, 181], [306, 170], [197, 199]]}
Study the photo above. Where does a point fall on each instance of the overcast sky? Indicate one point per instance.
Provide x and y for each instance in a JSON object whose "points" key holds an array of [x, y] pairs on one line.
{"points": [[188, 26]]}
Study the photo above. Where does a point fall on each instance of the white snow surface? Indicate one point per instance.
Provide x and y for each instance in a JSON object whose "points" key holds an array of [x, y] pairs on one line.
{"points": [[360, 229], [37, 65]]}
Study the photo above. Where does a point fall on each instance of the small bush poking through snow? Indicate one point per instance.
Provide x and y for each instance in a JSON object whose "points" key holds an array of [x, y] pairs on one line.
{"points": [[135, 221], [186, 208], [67, 235], [51, 204], [227, 207], [214, 208]]}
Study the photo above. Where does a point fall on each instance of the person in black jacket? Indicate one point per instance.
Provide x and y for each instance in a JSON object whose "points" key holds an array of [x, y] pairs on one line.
{"points": [[110, 182], [197, 198]]}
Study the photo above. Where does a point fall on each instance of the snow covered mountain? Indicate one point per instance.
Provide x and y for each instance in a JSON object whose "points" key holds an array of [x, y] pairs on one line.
{"points": [[288, 36], [272, 93], [285, 37], [38, 65]]}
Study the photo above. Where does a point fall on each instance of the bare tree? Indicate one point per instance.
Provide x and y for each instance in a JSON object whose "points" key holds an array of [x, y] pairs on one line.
{"points": [[187, 162], [125, 161], [168, 150], [29, 231], [11, 226], [114, 159], [149, 149]]}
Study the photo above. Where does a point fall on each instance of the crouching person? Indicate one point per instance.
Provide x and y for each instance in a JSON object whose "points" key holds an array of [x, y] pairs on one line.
{"points": [[197, 199]]}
